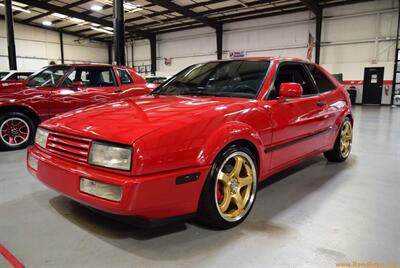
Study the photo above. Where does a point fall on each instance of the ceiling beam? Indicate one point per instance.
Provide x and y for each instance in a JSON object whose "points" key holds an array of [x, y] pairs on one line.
{"points": [[186, 12], [49, 13], [313, 6], [70, 13], [54, 29]]}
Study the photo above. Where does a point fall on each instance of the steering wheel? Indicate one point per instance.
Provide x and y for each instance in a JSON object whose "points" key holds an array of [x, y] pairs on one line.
{"points": [[244, 88]]}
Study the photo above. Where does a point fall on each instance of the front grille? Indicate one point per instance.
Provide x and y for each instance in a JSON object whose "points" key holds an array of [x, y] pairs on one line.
{"points": [[68, 146]]}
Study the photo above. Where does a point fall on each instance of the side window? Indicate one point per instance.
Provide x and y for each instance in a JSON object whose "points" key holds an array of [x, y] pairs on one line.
{"points": [[69, 80], [323, 82], [95, 77], [125, 77], [292, 73], [18, 76]]}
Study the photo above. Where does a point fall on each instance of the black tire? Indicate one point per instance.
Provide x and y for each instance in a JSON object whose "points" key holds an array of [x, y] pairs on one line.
{"points": [[20, 143], [208, 211], [336, 155]]}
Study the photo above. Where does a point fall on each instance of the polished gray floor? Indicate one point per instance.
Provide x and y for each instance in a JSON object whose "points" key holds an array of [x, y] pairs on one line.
{"points": [[314, 215]]}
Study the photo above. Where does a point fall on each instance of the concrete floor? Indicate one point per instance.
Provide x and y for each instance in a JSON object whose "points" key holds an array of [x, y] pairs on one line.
{"points": [[314, 215]]}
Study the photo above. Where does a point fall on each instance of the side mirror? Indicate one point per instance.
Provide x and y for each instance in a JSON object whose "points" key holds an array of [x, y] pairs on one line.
{"points": [[77, 84], [290, 90]]}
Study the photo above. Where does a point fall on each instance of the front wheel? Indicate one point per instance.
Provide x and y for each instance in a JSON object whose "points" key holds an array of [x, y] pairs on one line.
{"points": [[342, 147], [230, 190], [17, 131]]}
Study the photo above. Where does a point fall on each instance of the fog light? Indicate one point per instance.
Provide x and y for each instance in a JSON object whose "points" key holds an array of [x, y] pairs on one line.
{"points": [[33, 162], [100, 189]]}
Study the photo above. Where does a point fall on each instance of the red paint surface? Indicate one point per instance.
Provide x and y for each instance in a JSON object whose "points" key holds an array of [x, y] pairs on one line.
{"points": [[180, 135], [47, 102], [10, 258]]}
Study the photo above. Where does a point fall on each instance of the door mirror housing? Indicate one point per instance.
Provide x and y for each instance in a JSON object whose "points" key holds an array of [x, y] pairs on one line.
{"points": [[290, 90], [77, 84]]}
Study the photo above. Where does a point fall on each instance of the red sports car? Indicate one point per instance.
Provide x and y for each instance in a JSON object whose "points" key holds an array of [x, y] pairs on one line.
{"points": [[199, 144], [58, 89]]}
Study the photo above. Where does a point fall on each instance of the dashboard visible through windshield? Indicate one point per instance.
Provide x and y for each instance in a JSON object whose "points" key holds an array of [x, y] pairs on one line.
{"points": [[235, 78]]}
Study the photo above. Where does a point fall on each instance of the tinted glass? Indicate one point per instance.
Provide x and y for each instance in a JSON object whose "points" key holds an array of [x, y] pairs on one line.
{"points": [[294, 73], [237, 78], [125, 77], [323, 82], [48, 77], [3, 74]]}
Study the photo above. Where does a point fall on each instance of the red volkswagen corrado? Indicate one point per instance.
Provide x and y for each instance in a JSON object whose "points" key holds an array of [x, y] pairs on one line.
{"points": [[57, 89], [199, 144]]}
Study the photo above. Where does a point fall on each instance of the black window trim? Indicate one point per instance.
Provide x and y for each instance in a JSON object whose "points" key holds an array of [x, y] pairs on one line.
{"points": [[307, 71]]}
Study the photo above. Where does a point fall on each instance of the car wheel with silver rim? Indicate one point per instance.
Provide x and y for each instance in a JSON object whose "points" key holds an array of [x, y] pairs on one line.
{"points": [[16, 131], [230, 189]]}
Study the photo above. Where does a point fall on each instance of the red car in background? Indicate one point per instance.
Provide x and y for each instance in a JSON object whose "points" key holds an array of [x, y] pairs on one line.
{"points": [[199, 144], [57, 89]]}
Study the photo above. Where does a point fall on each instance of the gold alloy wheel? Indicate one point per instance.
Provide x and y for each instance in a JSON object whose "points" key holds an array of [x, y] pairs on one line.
{"points": [[346, 137], [235, 186]]}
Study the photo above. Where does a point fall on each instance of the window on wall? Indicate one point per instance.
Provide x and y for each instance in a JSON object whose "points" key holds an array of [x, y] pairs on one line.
{"points": [[324, 84]]}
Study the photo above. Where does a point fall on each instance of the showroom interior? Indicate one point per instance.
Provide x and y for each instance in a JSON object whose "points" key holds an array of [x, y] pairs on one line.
{"points": [[315, 213]]}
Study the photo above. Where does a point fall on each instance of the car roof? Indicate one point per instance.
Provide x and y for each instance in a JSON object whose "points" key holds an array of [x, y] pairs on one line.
{"points": [[269, 58], [89, 65]]}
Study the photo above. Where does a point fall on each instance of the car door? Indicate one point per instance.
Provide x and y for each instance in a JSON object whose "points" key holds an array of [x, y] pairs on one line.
{"points": [[296, 121], [331, 100], [84, 86]]}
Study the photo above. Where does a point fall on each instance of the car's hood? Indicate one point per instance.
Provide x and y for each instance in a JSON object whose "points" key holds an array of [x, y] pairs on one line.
{"points": [[127, 120]]}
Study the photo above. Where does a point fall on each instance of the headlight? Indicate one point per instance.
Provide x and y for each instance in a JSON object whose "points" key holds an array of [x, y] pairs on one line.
{"points": [[41, 137], [111, 156]]}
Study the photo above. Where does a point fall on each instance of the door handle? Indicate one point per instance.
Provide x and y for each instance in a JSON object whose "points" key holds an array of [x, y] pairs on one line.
{"points": [[321, 103], [118, 91]]}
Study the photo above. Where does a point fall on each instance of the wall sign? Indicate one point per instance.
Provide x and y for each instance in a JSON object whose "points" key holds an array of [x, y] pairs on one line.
{"points": [[237, 54]]}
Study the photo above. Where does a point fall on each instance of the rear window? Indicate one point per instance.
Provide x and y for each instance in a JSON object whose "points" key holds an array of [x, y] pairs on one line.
{"points": [[3, 74], [19, 76], [324, 84]]}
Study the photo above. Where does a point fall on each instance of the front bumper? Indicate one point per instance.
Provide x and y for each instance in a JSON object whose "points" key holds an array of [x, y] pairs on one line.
{"points": [[149, 197]]}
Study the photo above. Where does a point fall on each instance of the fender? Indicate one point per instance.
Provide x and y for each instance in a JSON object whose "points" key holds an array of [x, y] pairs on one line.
{"points": [[22, 107], [226, 134]]}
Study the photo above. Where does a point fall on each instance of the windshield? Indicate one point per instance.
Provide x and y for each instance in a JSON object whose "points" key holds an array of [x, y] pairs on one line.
{"points": [[48, 77], [3, 74], [238, 78]]}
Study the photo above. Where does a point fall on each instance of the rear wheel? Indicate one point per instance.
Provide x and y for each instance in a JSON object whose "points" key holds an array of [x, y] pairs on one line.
{"points": [[17, 131], [230, 189], [343, 143]]}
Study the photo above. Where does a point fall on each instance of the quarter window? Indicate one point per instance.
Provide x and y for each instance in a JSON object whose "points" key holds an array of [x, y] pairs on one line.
{"points": [[125, 77], [324, 84]]}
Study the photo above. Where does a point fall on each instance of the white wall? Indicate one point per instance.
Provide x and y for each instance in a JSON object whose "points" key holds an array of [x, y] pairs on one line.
{"points": [[36, 47], [353, 37]]}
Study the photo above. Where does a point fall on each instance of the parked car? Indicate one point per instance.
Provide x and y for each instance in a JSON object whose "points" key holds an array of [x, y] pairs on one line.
{"points": [[57, 89], [158, 80], [13, 79], [198, 145]]}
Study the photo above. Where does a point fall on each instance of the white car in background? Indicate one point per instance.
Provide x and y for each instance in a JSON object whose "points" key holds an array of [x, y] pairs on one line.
{"points": [[14, 75]]}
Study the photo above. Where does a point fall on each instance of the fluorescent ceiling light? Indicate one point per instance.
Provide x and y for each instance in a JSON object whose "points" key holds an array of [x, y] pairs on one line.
{"points": [[95, 24], [109, 28], [96, 7], [101, 30], [47, 23], [18, 8], [134, 10], [58, 15], [19, 4], [76, 20]]}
